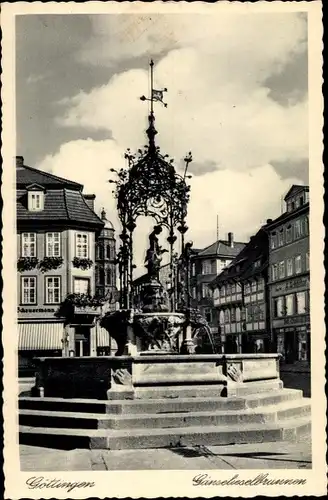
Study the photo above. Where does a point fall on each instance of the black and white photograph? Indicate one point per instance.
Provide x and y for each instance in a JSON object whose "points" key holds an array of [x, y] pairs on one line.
{"points": [[163, 258]]}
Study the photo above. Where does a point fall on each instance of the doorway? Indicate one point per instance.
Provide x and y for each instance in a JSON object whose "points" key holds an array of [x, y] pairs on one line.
{"points": [[290, 347], [82, 341]]}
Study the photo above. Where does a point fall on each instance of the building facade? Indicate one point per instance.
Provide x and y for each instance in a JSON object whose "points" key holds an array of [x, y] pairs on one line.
{"points": [[106, 262], [206, 264], [56, 233], [240, 297], [289, 277]]}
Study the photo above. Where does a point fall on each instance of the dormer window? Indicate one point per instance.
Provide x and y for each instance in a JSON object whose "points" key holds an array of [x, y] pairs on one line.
{"points": [[35, 198]]}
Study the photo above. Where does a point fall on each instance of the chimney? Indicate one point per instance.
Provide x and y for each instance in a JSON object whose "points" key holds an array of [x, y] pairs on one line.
{"points": [[230, 240], [269, 221], [90, 200], [19, 161]]}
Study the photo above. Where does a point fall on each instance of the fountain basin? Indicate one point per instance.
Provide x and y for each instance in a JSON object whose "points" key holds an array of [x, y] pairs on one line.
{"points": [[153, 376]]}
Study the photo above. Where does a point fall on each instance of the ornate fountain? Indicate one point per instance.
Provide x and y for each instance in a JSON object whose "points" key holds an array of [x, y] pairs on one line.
{"points": [[150, 186], [156, 335]]}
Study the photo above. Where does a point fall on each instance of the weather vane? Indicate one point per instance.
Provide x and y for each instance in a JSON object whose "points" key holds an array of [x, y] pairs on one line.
{"points": [[156, 95]]}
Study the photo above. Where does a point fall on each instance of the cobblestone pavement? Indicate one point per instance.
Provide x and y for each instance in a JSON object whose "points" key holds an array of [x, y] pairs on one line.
{"points": [[278, 455]]}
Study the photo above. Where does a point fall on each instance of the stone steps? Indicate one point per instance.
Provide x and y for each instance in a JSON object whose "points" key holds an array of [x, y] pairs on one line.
{"points": [[165, 438], [127, 424], [164, 405], [62, 419]]}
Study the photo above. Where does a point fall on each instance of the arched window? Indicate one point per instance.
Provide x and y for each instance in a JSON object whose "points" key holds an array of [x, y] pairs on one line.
{"points": [[100, 251], [101, 276]]}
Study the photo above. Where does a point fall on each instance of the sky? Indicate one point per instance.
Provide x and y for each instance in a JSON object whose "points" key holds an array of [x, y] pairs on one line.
{"points": [[237, 98]]}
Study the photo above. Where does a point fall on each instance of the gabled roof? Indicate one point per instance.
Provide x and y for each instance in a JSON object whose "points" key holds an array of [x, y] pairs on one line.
{"points": [[60, 205], [35, 187], [26, 176], [296, 188], [287, 216], [222, 248], [242, 266]]}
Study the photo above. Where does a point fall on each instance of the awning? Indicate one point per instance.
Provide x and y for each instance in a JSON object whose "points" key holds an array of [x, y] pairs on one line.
{"points": [[104, 339], [40, 336]]}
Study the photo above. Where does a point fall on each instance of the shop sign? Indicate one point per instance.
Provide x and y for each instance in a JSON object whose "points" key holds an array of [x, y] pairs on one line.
{"points": [[87, 310], [36, 310], [291, 320], [302, 282]]}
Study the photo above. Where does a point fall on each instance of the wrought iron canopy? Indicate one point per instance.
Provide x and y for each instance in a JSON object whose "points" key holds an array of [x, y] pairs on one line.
{"points": [[149, 186]]}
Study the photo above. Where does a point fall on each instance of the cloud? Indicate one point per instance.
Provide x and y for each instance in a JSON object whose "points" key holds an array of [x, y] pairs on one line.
{"points": [[243, 200], [218, 103], [220, 107], [33, 78]]}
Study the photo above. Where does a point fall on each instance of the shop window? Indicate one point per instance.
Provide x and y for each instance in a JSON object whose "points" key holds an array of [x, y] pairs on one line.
{"points": [[53, 290], [301, 302], [28, 245], [53, 245], [278, 305], [28, 289], [302, 347], [82, 245], [281, 345], [289, 267], [307, 261], [281, 269], [290, 305], [298, 264]]}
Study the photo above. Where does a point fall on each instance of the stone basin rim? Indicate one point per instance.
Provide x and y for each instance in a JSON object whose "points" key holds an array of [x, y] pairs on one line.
{"points": [[169, 357]]}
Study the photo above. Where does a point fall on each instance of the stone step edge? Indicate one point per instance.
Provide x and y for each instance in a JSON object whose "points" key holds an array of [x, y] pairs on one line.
{"points": [[270, 409], [131, 402], [124, 433]]}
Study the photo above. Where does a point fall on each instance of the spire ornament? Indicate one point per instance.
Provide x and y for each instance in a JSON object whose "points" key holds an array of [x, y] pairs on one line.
{"points": [[149, 186]]}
